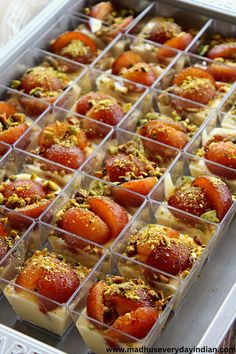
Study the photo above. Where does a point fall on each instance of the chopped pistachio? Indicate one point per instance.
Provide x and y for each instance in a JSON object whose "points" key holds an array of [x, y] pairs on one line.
{"points": [[201, 152], [12, 178], [33, 176], [1, 199], [50, 195], [52, 186], [113, 150], [15, 84], [183, 180], [153, 115], [35, 91], [73, 129], [210, 216]]}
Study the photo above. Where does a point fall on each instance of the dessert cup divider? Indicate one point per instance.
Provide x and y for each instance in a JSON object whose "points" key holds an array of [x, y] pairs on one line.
{"points": [[186, 166], [30, 58], [70, 22], [93, 80], [150, 214], [58, 114], [171, 68], [13, 96], [87, 182], [228, 121], [106, 50], [24, 225], [195, 40], [37, 238], [204, 134], [18, 161], [125, 42], [181, 15], [154, 101], [119, 136], [215, 26], [116, 262], [141, 6], [210, 121]]}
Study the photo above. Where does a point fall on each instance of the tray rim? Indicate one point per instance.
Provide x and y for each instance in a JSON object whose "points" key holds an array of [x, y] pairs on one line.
{"points": [[212, 337]]}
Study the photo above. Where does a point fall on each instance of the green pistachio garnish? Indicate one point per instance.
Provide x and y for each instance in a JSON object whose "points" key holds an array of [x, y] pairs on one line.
{"points": [[210, 216]]}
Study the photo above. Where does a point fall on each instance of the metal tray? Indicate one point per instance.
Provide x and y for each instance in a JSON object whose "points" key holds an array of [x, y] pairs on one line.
{"points": [[209, 309]]}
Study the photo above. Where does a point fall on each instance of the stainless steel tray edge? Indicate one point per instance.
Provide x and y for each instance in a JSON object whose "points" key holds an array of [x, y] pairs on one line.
{"points": [[226, 308]]}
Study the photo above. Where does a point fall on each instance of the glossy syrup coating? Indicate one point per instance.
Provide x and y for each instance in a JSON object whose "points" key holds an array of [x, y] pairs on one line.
{"points": [[122, 164], [131, 167], [52, 276], [76, 46], [190, 199], [43, 79], [107, 12], [222, 150], [140, 73], [128, 305], [163, 248], [63, 143], [30, 196], [94, 217], [166, 132], [102, 108], [217, 193], [204, 194], [125, 60], [13, 124], [85, 223], [180, 42], [164, 30], [194, 84]]}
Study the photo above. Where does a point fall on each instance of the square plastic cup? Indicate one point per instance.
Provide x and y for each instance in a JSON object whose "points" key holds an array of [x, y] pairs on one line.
{"points": [[160, 105], [216, 126], [26, 300], [51, 125], [187, 168], [67, 70], [11, 101], [155, 213], [156, 57], [96, 81], [215, 28], [100, 200], [13, 227], [43, 179], [92, 28], [160, 154], [99, 336], [186, 19], [137, 10], [220, 72]]}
